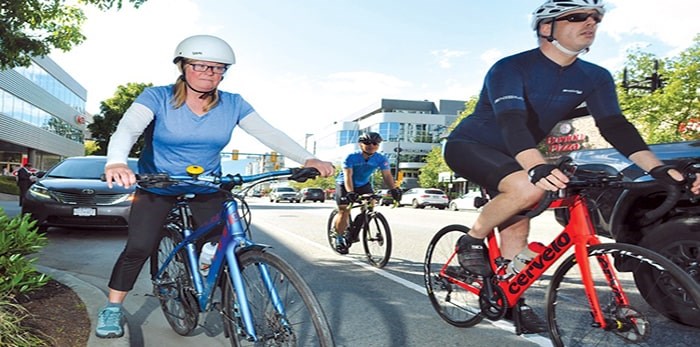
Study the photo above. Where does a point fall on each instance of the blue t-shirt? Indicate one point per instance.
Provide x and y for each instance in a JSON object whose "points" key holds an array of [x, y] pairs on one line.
{"points": [[362, 169], [177, 138], [544, 90]]}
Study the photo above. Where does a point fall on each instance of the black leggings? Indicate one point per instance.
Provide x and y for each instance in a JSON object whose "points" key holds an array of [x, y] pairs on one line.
{"points": [[480, 164], [148, 212]]}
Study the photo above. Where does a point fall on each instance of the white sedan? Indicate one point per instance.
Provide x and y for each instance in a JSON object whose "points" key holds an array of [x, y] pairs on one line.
{"points": [[465, 202]]}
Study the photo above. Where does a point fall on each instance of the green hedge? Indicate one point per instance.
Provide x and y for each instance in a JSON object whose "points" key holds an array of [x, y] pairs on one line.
{"points": [[8, 185]]}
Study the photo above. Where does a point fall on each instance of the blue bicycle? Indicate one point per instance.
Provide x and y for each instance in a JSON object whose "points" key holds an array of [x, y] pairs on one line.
{"points": [[264, 301]]}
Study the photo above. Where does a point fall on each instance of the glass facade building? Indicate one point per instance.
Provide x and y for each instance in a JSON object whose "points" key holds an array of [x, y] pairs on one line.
{"points": [[42, 115]]}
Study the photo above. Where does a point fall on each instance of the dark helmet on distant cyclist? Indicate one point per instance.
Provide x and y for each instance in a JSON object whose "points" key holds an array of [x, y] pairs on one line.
{"points": [[370, 137]]}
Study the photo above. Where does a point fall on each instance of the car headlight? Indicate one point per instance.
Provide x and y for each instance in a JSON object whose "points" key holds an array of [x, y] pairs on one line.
{"points": [[40, 192], [124, 197]]}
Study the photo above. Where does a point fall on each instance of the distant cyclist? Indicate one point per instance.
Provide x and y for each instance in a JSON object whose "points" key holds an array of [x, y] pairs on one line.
{"points": [[356, 179], [523, 97]]}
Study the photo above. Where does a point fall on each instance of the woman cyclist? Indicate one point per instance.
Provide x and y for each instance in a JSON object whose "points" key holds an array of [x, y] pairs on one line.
{"points": [[186, 123], [523, 98]]}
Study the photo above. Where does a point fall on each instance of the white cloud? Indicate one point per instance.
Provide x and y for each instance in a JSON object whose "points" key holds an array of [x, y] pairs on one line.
{"points": [[673, 22], [491, 56], [446, 56]]}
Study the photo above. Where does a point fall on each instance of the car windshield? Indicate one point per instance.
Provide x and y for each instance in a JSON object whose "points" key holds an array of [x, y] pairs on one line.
{"points": [[434, 191], [82, 169]]}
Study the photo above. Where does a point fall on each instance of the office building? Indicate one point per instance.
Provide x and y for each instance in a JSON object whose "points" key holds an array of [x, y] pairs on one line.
{"points": [[410, 129], [42, 115]]}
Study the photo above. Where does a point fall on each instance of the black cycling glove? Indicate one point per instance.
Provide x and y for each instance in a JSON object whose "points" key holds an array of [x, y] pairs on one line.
{"points": [[540, 171], [660, 173], [352, 196], [395, 194]]}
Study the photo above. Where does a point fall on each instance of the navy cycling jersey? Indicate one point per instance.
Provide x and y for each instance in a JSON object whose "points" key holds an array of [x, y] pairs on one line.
{"points": [[530, 83], [362, 169]]}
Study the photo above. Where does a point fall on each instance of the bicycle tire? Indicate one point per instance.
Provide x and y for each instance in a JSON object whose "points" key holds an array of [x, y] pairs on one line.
{"points": [[174, 287], [306, 323], [376, 240], [569, 317], [454, 304], [330, 232]]}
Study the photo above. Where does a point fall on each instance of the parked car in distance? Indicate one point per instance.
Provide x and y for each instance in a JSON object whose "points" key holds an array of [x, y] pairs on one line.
{"points": [[312, 194], [466, 201], [386, 199], [423, 197], [71, 194], [284, 194]]}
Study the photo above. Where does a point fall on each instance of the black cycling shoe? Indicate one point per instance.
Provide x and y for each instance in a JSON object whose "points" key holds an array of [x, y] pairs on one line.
{"points": [[341, 245], [525, 319], [472, 255]]}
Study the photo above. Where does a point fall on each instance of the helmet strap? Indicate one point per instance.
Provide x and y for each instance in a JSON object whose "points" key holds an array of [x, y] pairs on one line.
{"points": [[558, 45], [204, 94]]}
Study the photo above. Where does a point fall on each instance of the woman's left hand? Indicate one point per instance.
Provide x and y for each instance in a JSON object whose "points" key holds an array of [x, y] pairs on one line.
{"points": [[324, 167]]}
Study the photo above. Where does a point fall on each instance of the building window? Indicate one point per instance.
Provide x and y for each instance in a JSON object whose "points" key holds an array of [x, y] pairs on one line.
{"points": [[43, 79]]}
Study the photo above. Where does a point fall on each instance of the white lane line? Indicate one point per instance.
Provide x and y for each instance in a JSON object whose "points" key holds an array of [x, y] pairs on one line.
{"points": [[501, 324]]}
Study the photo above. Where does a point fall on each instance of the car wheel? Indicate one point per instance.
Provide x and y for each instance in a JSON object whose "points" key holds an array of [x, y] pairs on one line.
{"points": [[678, 240], [441, 207], [414, 204], [453, 206]]}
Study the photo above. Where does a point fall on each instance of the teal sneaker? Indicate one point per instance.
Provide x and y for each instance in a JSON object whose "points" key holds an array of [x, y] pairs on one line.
{"points": [[110, 323]]}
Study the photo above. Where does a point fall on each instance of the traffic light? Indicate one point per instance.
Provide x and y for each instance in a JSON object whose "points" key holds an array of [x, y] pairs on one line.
{"points": [[273, 157], [234, 154]]}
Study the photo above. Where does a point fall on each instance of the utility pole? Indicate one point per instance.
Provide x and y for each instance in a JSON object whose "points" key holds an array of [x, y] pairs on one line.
{"points": [[398, 160]]}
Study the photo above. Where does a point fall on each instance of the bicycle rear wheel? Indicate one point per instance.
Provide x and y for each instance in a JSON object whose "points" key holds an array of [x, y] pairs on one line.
{"points": [[376, 239], [303, 322], [174, 286], [568, 309], [453, 294]]}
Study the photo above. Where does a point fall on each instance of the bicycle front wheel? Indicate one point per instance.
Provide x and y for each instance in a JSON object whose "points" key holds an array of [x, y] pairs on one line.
{"points": [[173, 287], [453, 295], [632, 321], [331, 234], [376, 239], [302, 322]]}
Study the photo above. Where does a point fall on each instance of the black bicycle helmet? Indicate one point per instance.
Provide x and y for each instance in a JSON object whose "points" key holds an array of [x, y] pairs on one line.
{"points": [[370, 137]]}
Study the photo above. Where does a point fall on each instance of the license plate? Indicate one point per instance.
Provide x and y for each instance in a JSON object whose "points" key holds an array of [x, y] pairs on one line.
{"points": [[84, 211]]}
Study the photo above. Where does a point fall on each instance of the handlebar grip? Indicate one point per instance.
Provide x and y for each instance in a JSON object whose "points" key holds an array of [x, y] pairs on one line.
{"points": [[303, 174], [543, 205]]}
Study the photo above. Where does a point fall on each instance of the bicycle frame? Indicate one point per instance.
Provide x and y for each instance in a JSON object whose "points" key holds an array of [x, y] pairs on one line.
{"points": [[232, 241], [578, 233]]}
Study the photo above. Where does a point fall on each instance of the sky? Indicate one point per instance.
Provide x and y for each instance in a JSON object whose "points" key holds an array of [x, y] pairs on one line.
{"points": [[303, 64]]}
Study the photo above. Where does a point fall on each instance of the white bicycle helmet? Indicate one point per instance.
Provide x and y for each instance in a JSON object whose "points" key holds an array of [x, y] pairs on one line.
{"points": [[205, 47], [555, 8]]}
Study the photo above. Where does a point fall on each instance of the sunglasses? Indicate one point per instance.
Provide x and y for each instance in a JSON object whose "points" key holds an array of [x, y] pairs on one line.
{"points": [[581, 17], [371, 143]]}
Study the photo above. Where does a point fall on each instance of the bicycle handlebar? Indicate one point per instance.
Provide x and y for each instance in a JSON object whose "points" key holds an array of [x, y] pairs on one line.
{"points": [[163, 180], [593, 175]]}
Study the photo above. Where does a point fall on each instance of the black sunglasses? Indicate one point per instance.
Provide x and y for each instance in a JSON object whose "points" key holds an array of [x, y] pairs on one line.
{"points": [[370, 143], [581, 17]]}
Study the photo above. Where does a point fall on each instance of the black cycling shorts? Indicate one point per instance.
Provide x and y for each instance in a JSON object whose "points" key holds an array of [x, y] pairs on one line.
{"points": [[480, 164], [341, 194]]}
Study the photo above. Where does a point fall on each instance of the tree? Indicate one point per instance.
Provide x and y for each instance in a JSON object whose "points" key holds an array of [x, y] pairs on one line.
{"points": [[434, 162], [111, 112], [34, 28], [91, 147], [672, 112]]}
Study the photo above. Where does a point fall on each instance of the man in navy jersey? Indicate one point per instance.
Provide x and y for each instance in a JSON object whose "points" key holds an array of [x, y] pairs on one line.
{"points": [[522, 99], [185, 123], [356, 179]]}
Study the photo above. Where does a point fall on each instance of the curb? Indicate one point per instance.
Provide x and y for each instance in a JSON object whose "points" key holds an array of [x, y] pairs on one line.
{"points": [[94, 299]]}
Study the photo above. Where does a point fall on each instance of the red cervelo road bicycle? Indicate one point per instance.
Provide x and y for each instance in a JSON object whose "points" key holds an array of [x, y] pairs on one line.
{"points": [[601, 294]]}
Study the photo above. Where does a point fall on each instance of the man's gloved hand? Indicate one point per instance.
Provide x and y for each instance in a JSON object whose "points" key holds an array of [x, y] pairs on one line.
{"points": [[352, 196], [660, 173], [539, 172], [395, 194]]}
